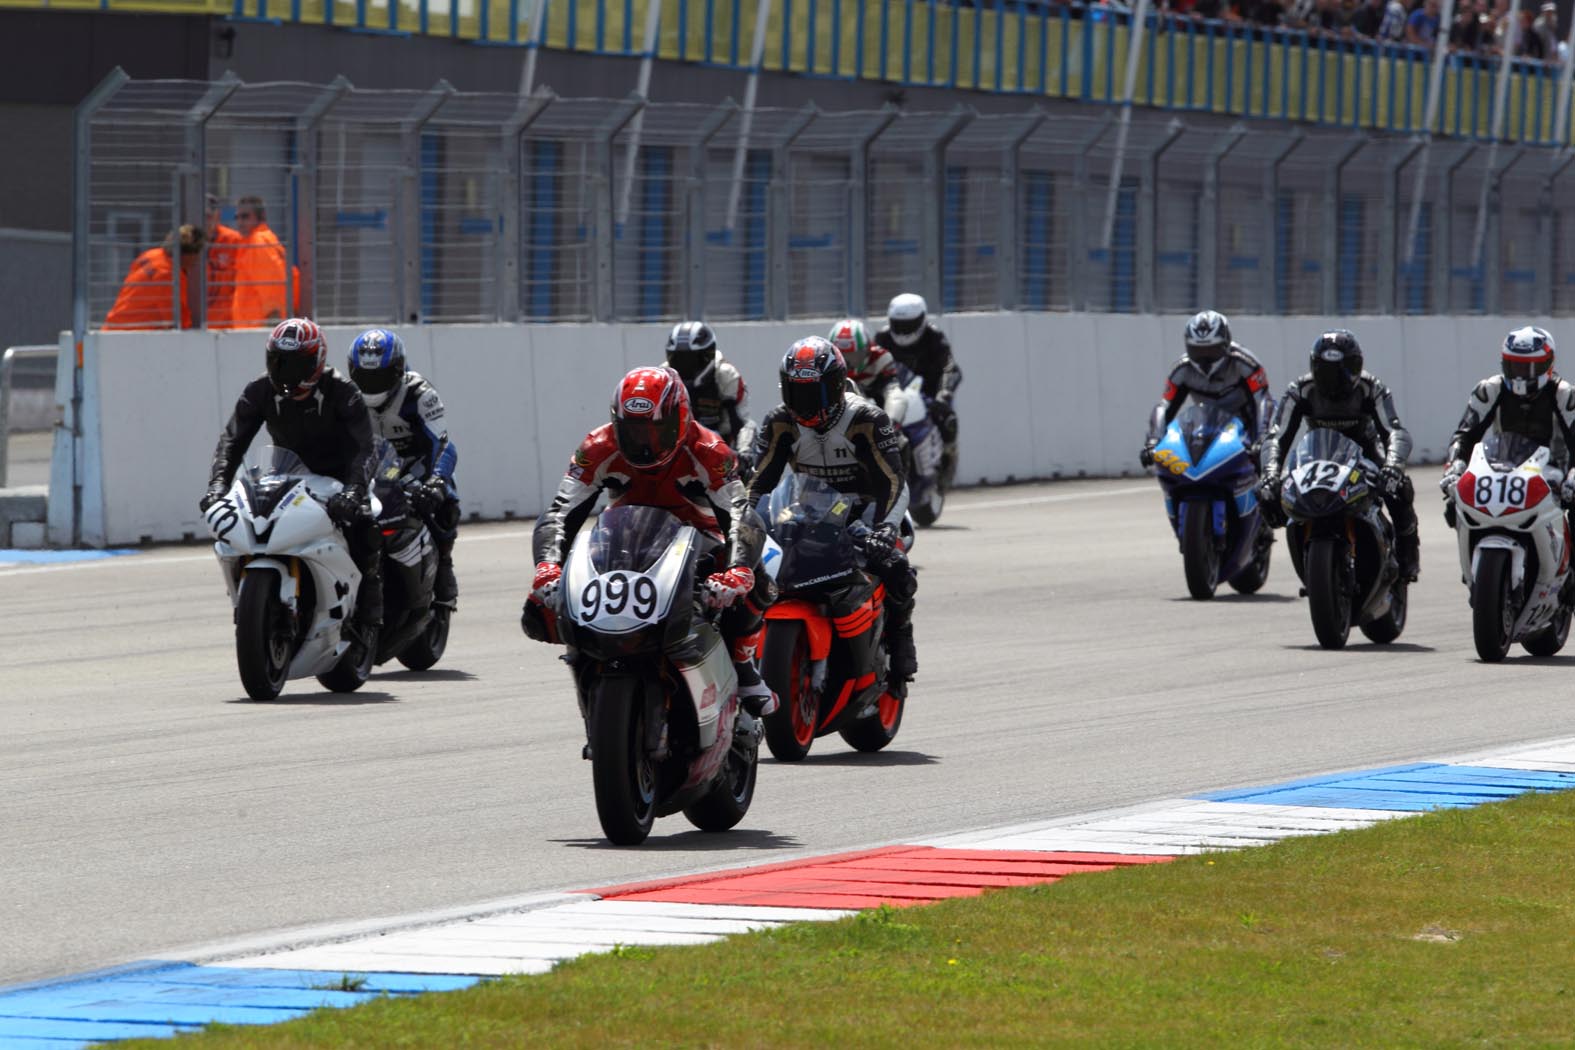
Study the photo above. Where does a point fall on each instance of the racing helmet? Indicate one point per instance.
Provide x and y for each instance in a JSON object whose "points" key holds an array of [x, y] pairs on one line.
{"points": [[1336, 360], [691, 350], [650, 416], [852, 340], [1208, 339], [296, 357], [905, 317], [377, 364], [1528, 361], [814, 382]]}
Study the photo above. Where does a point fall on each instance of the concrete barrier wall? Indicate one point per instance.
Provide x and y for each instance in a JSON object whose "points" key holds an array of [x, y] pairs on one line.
{"points": [[1044, 396]]}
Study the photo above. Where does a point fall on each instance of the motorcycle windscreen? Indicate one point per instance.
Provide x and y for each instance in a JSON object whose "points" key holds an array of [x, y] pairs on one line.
{"points": [[1211, 434], [1324, 444], [626, 573], [1507, 451], [277, 471], [809, 520]]}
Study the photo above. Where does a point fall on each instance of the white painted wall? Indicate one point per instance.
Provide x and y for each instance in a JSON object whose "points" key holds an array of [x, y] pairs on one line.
{"points": [[1044, 396]]}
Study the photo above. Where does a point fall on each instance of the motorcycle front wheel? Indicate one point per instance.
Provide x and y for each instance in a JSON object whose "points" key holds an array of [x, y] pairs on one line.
{"points": [[879, 729], [622, 773], [1328, 598], [263, 636], [927, 512], [1200, 555], [427, 647], [785, 665], [1492, 619]]}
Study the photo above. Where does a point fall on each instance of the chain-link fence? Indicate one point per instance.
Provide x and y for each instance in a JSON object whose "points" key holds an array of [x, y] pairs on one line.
{"points": [[439, 206]]}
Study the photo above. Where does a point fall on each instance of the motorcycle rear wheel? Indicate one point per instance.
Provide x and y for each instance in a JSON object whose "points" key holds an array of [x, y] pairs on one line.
{"points": [[790, 730], [1200, 555], [721, 808], [1327, 598], [428, 647], [263, 638], [1491, 617], [1549, 640], [621, 772], [875, 732]]}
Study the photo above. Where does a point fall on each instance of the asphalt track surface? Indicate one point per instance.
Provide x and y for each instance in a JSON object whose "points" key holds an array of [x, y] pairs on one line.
{"points": [[146, 806]]}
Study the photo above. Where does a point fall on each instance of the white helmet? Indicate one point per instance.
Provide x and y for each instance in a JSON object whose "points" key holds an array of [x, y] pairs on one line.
{"points": [[905, 317]]}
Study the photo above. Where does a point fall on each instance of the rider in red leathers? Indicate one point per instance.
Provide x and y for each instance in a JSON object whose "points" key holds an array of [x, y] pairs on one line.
{"points": [[654, 454]]}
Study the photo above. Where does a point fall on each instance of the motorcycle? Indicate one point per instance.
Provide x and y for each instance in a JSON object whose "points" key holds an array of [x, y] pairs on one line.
{"points": [[415, 628], [1207, 473], [922, 455], [655, 681], [1514, 547], [825, 648], [1342, 544], [290, 577]]}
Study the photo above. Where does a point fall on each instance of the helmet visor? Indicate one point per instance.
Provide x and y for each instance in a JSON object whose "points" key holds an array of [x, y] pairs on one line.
{"points": [[1332, 378], [291, 369], [907, 326], [805, 399], [1206, 355], [688, 362], [374, 380], [646, 442], [1525, 370]]}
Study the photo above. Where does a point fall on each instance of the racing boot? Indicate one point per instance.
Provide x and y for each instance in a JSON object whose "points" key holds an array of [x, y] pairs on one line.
{"points": [[1408, 550], [754, 694], [369, 602], [445, 591]]}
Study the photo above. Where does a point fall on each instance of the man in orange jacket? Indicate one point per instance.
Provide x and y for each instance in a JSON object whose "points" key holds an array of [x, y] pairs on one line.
{"points": [[146, 297], [261, 270], [222, 243]]}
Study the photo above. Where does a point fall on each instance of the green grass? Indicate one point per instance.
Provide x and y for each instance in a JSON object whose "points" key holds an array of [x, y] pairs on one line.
{"points": [[1453, 929]]}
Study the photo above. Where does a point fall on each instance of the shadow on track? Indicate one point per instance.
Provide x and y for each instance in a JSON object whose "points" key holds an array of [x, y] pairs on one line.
{"points": [[436, 674], [859, 758], [696, 841], [358, 698], [1229, 597], [1364, 646]]}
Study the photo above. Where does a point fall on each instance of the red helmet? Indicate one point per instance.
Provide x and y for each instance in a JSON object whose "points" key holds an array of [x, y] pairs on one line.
{"points": [[650, 416], [296, 356]]}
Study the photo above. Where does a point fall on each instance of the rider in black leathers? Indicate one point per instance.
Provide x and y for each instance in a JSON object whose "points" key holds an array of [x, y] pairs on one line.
{"points": [[1337, 393], [919, 346], [318, 414], [717, 394], [825, 429], [1214, 368]]}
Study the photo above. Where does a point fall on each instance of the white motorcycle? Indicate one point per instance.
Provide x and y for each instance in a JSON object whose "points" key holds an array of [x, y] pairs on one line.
{"points": [[290, 576], [1514, 546]]}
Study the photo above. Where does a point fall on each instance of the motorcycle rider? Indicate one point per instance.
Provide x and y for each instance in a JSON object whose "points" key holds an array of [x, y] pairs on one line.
{"points": [[825, 429], [918, 345], [1527, 397], [872, 368], [717, 394], [1214, 368], [318, 414], [1337, 393], [407, 411], [654, 454]]}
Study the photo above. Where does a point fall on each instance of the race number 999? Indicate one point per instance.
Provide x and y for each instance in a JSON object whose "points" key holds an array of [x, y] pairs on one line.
{"points": [[618, 593]]}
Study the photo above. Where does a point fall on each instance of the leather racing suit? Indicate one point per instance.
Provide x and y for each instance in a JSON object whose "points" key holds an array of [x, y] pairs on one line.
{"points": [[1548, 418], [930, 357], [1237, 381], [412, 419]]}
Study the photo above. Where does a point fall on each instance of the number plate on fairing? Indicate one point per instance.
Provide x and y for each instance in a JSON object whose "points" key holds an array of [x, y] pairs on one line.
{"points": [[622, 600], [1322, 474]]}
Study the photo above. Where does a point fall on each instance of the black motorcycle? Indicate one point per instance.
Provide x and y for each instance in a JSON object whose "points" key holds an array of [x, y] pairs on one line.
{"points": [[415, 627], [1341, 542]]}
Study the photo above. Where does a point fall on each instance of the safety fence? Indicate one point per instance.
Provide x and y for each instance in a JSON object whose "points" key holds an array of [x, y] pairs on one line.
{"points": [[1049, 50], [441, 206]]}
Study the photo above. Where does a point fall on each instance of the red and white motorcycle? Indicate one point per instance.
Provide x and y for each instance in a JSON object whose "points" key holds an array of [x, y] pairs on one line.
{"points": [[1514, 546]]}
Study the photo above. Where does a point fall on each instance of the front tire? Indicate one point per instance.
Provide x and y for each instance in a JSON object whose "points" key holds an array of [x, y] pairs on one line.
{"points": [[1199, 553], [785, 665], [1491, 619], [876, 731], [428, 647], [1328, 597], [622, 773], [928, 512], [1549, 640], [264, 638]]}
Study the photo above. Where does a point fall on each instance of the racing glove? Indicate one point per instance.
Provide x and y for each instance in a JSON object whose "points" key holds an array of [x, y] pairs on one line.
{"points": [[1146, 456], [1393, 479], [429, 495], [1269, 501], [1446, 484], [345, 506], [722, 589], [881, 545], [544, 585], [209, 498], [1567, 492]]}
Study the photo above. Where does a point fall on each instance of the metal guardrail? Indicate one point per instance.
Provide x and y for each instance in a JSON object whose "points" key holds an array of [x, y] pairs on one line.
{"points": [[1046, 50], [440, 207], [7, 366]]}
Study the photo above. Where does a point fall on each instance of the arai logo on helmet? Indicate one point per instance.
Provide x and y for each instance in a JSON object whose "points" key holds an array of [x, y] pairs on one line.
{"points": [[638, 405], [1332, 354], [287, 342]]}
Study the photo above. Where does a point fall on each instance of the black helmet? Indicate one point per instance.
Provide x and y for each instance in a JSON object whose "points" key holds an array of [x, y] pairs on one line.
{"points": [[691, 350], [814, 380], [1336, 363], [1208, 339]]}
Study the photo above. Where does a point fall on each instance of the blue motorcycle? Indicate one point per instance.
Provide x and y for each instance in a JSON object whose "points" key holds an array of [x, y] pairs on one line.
{"points": [[1210, 483]]}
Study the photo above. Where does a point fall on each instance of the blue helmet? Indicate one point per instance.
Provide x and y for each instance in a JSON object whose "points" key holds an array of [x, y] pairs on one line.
{"points": [[377, 364]]}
